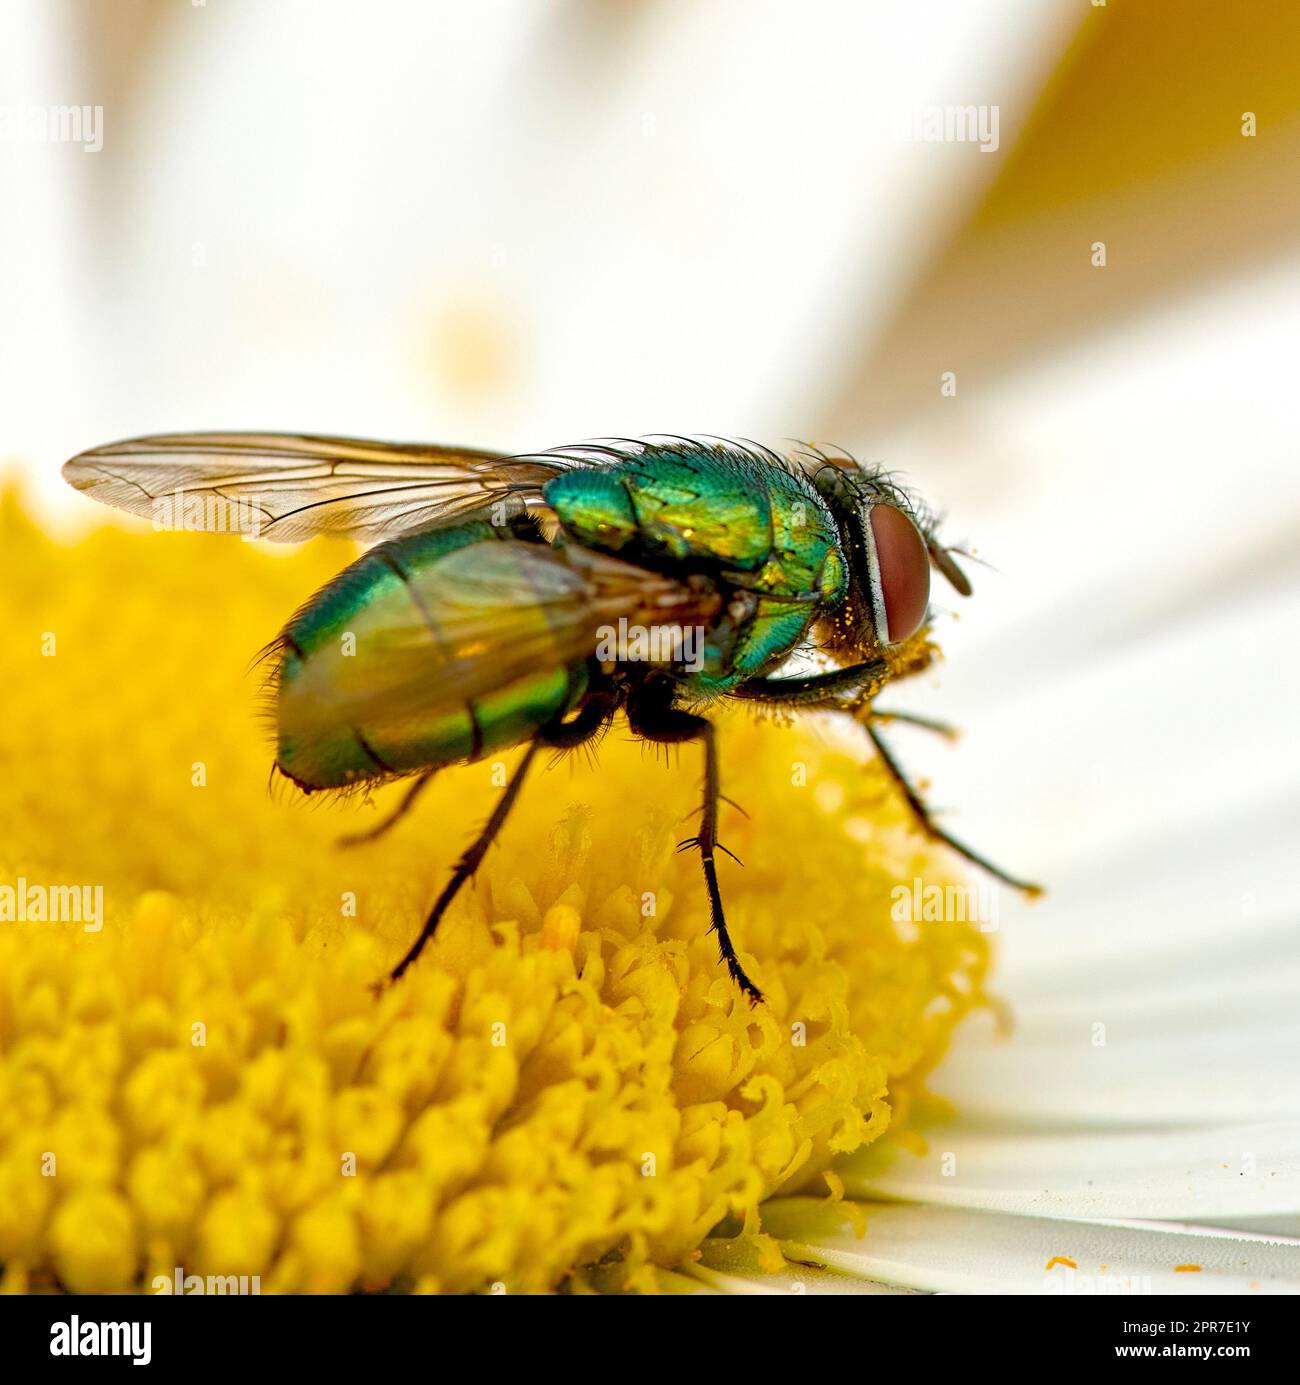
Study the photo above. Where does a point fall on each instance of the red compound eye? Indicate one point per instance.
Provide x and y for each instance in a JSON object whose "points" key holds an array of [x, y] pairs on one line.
{"points": [[903, 568]]}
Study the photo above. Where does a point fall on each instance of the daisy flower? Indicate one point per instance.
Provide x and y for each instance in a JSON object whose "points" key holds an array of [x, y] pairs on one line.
{"points": [[568, 1093], [1069, 317]]}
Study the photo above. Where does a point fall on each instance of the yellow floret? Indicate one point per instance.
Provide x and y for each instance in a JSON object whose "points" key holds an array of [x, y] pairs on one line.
{"points": [[567, 1077]]}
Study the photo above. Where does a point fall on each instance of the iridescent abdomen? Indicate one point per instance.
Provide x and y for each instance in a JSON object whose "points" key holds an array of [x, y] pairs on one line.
{"points": [[429, 650]]}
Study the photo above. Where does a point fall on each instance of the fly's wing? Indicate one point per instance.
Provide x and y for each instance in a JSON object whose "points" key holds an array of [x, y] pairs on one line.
{"points": [[292, 486], [472, 623]]}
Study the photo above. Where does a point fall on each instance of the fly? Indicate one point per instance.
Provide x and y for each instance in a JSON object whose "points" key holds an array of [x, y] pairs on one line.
{"points": [[528, 600]]}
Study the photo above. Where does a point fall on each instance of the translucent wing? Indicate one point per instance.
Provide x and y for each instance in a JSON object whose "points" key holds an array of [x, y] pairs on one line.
{"points": [[289, 486]]}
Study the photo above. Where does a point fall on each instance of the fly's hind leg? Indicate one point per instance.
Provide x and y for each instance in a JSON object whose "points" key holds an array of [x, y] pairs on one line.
{"points": [[470, 861], [667, 725], [591, 718], [385, 825]]}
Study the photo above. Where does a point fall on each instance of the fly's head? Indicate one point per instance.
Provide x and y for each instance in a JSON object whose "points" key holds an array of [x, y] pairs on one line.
{"points": [[890, 545]]}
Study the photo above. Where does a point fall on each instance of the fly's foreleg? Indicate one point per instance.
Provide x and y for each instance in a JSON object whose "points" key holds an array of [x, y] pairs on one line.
{"points": [[815, 691], [833, 691], [925, 821], [880, 717]]}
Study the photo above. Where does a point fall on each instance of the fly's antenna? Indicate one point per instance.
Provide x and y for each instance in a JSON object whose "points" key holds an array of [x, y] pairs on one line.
{"points": [[945, 561], [941, 558]]}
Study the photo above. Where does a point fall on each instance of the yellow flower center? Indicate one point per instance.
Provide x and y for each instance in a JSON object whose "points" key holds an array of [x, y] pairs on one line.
{"points": [[204, 1084]]}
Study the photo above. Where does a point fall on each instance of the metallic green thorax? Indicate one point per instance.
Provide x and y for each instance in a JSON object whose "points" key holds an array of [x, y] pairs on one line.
{"points": [[747, 521]]}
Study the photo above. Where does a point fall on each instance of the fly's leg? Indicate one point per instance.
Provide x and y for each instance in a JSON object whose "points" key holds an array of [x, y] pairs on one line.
{"points": [[591, 718], [669, 726], [387, 824], [707, 841], [814, 691], [827, 692], [931, 828], [470, 861], [940, 728]]}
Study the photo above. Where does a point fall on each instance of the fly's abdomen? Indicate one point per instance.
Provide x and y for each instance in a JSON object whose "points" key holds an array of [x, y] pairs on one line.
{"points": [[432, 649]]}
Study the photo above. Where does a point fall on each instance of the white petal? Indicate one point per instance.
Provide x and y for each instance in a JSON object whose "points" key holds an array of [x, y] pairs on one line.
{"points": [[1087, 1069], [798, 1279], [1274, 1226], [1192, 1175], [1222, 898], [954, 1251], [1114, 705], [1104, 764]]}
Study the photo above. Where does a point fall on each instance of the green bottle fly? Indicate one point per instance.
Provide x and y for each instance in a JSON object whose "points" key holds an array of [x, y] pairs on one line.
{"points": [[529, 600]]}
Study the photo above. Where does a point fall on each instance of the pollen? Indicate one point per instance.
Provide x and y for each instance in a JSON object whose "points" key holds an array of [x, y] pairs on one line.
{"points": [[566, 1092]]}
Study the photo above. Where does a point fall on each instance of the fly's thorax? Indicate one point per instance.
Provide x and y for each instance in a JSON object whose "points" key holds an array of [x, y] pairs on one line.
{"points": [[713, 507], [667, 505], [805, 559], [775, 631], [594, 509], [761, 530], [803, 578]]}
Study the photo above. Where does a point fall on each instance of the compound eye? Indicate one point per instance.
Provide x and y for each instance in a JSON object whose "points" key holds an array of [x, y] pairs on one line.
{"points": [[901, 574]]}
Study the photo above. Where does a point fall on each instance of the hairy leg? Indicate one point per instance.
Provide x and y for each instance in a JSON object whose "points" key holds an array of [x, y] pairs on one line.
{"points": [[591, 718], [931, 828], [386, 824], [667, 725], [827, 692], [814, 691], [940, 728]]}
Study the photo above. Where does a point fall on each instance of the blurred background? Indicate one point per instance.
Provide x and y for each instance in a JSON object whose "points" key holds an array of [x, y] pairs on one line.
{"points": [[1040, 256]]}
